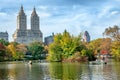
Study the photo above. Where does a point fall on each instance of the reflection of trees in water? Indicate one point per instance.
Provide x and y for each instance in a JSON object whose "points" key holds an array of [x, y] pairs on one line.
{"points": [[95, 72], [16, 71], [117, 70], [56, 71], [3, 73], [110, 71], [11, 71], [45, 72], [70, 71], [35, 72], [67, 71]]}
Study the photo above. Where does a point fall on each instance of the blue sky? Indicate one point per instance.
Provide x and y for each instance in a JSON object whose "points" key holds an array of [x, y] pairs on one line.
{"points": [[57, 15]]}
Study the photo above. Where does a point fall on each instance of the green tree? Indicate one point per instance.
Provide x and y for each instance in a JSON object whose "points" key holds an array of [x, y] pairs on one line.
{"points": [[67, 44], [115, 50], [55, 50], [36, 49], [64, 46], [2, 41]]}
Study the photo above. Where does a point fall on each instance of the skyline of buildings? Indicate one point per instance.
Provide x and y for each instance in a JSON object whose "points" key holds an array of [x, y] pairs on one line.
{"points": [[26, 36], [49, 39]]}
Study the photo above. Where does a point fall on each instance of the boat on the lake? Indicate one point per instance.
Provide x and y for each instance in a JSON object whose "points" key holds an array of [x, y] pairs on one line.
{"points": [[30, 62], [97, 62]]}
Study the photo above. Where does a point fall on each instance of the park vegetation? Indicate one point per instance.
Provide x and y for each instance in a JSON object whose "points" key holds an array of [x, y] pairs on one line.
{"points": [[114, 34], [67, 47], [64, 48], [14, 51]]}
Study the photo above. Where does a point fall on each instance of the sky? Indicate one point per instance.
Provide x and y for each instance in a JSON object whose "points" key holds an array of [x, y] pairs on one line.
{"points": [[75, 16]]}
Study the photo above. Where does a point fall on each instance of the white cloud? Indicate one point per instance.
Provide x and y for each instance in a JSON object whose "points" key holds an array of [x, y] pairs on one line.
{"points": [[115, 12], [44, 15], [44, 8], [105, 11], [3, 14]]}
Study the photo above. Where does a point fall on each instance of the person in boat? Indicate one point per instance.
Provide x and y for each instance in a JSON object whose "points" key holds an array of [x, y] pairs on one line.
{"points": [[104, 59], [30, 62]]}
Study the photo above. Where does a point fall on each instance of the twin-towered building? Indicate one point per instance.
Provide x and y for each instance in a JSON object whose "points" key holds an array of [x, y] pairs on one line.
{"points": [[24, 35]]}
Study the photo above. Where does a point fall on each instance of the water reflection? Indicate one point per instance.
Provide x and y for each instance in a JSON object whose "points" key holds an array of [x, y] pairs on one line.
{"points": [[21, 71], [116, 69], [77, 71], [67, 71], [59, 71]]}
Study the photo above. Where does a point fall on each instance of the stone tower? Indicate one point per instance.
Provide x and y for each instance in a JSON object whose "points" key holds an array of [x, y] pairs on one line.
{"points": [[35, 30], [24, 35], [21, 20], [34, 20]]}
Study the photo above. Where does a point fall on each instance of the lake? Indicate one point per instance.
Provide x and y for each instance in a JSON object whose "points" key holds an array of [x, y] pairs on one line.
{"points": [[59, 71]]}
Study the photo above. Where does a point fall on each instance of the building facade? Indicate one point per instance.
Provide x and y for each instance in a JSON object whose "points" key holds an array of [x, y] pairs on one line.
{"points": [[86, 37], [4, 35], [24, 35], [49, 39]]}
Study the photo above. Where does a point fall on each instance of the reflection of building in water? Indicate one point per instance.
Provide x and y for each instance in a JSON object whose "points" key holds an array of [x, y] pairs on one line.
{"points": [[86, 37], [4, 35], [24, 35]]}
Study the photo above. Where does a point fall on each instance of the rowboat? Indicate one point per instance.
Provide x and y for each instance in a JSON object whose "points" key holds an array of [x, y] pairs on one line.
{"points": [[97, 62]]}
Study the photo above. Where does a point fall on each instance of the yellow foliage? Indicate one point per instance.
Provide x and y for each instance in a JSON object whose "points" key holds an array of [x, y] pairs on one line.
{"points": [[12, 49]]}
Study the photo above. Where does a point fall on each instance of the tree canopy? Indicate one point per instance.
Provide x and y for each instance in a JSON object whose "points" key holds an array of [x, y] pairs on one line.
{"points": [[113, 32], [36, 49], [66, 46]]}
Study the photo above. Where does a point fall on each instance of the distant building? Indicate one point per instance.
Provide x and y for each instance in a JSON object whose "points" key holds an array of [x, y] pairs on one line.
{"points": [[49, 39], [4, 35], [86, 37], [24, 35]]}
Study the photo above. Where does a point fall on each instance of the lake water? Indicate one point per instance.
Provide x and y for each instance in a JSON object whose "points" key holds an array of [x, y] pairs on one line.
{"points": [[59, 71]]}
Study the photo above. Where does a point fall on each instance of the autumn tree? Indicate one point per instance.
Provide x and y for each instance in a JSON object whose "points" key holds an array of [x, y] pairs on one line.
{"points": [[21, 51], [65, 46], [16, 51], [12, 51], [114, 33], [100, 44], [2, 52], [21, 48], [115, 50], [95, 45], [106, 45]]}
